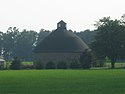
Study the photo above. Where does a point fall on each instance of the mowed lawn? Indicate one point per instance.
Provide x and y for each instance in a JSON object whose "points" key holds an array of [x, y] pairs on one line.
{"points": [[62, 81]]}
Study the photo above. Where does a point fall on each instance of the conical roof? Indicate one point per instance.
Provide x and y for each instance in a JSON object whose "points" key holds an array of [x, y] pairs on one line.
{"points": [[61, 40]]}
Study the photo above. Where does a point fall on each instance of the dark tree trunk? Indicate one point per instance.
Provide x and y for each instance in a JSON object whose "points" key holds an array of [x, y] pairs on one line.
{"points": [[112, 65], [113, 60]]}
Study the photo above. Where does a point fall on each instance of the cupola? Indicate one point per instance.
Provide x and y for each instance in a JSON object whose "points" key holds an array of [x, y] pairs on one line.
{"points": [[61, 25]]}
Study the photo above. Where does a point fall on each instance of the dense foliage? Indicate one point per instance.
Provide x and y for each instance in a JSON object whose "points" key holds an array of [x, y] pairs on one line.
{"points": [[86, 60], [20, 44], [39, 65], [16, 64], [110, 39]]}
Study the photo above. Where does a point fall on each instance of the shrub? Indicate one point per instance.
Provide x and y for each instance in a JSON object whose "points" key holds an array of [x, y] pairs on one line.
{"points": [[101, 63], [62, 65], [27, 67], [50, 65], [86, 59], [39, 65], [75, 64], [93, 58], [16, 64]]}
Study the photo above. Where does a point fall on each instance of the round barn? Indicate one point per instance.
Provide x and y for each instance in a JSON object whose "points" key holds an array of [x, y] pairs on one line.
{"points": [[60, 45]]}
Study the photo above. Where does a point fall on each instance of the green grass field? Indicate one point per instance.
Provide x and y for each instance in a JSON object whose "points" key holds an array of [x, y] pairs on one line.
{"points": [[62, 81]]}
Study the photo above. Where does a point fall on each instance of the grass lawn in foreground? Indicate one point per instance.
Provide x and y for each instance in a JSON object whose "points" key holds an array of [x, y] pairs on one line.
{"points": [[62, 81]]}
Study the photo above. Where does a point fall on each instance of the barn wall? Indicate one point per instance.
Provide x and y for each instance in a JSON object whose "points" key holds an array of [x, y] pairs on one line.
{"points": [[54, 57]]}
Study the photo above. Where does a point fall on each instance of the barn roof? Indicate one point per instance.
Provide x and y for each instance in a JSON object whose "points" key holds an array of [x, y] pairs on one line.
{"points": [[61, 40]]}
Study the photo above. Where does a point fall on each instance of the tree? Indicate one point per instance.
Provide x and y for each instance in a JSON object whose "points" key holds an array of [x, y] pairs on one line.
{"points": [[25, 44], [110, 39], [1, 42], [9, 42], [20, 44], [86, 59], [16, 64]]}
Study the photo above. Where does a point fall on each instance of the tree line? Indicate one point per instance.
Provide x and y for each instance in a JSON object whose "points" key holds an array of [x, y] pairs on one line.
{"points": [[15, 43], [106, 41]]}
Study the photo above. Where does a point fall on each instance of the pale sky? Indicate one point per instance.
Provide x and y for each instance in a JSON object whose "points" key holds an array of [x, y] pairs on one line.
{"points": [[37, 14]]}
